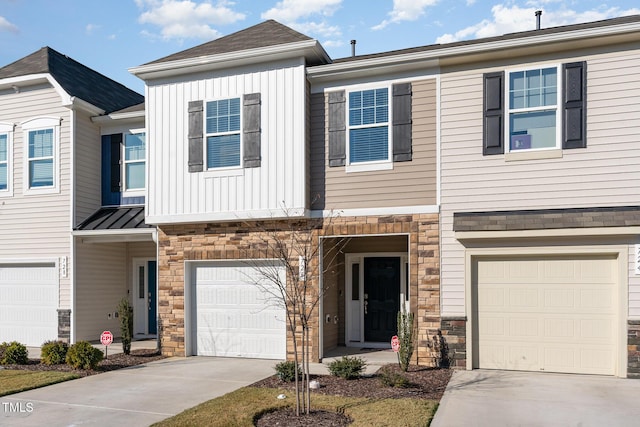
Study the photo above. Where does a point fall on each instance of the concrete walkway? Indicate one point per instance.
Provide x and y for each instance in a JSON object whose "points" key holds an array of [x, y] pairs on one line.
{"points": [[136, 396], [502, 398]]}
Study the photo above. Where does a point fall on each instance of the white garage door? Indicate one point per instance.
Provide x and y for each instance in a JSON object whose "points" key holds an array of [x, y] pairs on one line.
{"points": [[547, 314], [235, 317], [28, 303]]}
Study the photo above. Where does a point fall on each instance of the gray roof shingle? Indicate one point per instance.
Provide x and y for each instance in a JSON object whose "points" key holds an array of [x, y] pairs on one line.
{"points": [[268, 33], [76, 79]]}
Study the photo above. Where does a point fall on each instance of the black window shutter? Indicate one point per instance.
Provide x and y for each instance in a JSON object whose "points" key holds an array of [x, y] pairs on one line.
{"points": [[251, 130], [337, 129], [574, 101], [196, 148], [493, 114], [402, 122], [116, 160]]}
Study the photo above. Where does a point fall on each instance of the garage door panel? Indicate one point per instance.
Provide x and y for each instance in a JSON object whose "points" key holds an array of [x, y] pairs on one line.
{"points": [[236, 312], [547, 316], [28, 303]]}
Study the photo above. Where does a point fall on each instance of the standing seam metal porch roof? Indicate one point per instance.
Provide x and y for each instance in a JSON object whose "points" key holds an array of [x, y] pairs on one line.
{"points": [[115, 218]]}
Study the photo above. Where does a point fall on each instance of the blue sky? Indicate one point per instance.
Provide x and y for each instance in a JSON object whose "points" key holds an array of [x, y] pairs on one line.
{"points": [[111, 36]]}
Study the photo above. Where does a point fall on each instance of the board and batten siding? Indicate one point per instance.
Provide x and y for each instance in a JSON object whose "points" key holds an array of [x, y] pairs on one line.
{"points": [[410, 183], [87, 169], [606, 173], [37, 226], [175, 195]]}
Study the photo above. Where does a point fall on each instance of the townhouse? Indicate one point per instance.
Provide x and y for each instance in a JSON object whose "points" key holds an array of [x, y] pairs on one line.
{"points": [[488, 186]]}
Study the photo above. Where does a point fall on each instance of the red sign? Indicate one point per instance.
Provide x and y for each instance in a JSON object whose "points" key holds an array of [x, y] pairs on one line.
{"points": [[395, 343], [106, 338]]}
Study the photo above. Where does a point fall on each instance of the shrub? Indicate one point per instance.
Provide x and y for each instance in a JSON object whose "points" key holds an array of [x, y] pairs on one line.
{"points": [[347, 367], [14, 353], [53, 352], [125, 311], [286, 371], [3, 348], [406, 333], [391, 378], [82, 355]]}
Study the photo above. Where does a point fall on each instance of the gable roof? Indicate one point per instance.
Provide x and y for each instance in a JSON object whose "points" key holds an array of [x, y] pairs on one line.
{"points": [[505, 37], [76, 79], [268, 33]]}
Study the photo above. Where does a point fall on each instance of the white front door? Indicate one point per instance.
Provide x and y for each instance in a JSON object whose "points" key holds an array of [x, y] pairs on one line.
{"points": [[140, 297]]}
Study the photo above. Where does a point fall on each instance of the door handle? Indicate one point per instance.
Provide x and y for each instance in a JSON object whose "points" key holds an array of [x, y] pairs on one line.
{"points": [[366, 303]]}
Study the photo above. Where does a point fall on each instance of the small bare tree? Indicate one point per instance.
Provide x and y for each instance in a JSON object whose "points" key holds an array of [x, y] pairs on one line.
{"points": [[297, 246]]}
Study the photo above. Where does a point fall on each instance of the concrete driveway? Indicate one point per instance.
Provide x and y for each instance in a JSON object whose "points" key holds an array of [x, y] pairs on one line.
{"points": [[502, 398], [137, 396]]}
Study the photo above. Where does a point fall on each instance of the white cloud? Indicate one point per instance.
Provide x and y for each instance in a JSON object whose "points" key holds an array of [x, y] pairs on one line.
{"points": [[7, 26], [111, 37], [292, 10], [510, 19], [300, 15], [182, 19], [405, 10], [90, 28], [470, 2]]}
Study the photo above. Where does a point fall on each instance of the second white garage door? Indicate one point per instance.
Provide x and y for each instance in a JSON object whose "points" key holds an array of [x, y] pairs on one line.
{"points": [[547, 314], [28, 303], [234, 317]]}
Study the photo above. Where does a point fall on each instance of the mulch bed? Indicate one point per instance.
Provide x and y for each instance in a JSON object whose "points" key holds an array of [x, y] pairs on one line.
{"points": [[114, 361], [287, 417], [424, 383]]}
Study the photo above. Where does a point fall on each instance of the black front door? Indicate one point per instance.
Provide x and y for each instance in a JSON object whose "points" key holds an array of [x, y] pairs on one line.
{"points": [[381, 298]]}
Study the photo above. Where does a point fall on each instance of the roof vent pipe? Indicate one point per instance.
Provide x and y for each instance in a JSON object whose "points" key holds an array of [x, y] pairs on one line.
{"points": [[538, 14], [353, 48]]}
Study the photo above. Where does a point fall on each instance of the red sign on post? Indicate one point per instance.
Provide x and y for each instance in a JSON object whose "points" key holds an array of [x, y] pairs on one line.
{"points": [[106, 338], [395, 343]]}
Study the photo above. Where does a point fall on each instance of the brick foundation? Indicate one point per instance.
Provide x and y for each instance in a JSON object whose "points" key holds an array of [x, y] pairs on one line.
{"points": [[233, 241], [633, 349], [64, 325], [454, 332]]}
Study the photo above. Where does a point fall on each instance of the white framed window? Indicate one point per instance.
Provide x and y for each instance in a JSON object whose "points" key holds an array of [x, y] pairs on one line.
{"points": [[369, 130], [6, 159], [41, 155], [222, 133], [533, 108], [134, 165]]}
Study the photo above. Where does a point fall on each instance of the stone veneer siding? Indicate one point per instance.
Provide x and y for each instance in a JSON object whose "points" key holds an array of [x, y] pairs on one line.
{"points": [[547, 219], [454, 332], [64, 325], [633, 349], [229, 241]]}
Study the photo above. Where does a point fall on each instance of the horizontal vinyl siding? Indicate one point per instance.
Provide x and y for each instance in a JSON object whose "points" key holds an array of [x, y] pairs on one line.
{"points": [[101, 282], [87, 173], [38, 225], [606, 173], [408, 184], [280, 179]]}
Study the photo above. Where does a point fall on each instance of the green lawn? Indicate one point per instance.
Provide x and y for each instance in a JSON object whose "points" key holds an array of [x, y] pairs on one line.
{"points": [[241, 406], [14, 381]]}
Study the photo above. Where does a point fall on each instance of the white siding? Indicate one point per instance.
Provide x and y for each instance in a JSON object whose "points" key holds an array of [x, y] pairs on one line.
{"points": [[37, 226], [88, 172], [101, 282], [178, 196], [606, 173]]}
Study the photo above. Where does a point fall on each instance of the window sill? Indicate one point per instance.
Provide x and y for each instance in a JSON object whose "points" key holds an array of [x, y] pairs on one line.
{"points": [[533, 155], [368, 167], [217, 173], [133, 193], [41, 190]]}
